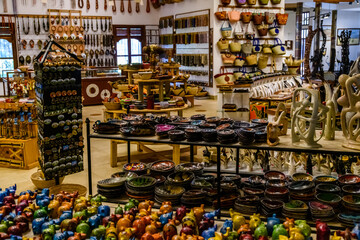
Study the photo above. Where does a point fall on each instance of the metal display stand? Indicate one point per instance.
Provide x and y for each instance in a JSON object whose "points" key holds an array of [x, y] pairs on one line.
{"points": [[330, 147]]}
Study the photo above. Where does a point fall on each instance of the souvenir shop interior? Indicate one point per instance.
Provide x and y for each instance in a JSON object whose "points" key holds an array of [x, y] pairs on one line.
{"points": [[180, 119]]}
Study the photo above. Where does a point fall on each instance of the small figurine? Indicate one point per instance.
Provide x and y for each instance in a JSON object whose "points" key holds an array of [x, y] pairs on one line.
{"points": [[254, 221], [322, 231], [271, 221], [278, 230], [260, 231], [347, 234]]}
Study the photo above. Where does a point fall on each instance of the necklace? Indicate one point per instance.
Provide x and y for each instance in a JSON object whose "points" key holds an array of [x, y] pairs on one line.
{"points": [[37, 27], [26, 32], [86, 25], [46, 25], [105, 5], [110, 25], [105, 25], [75, 20], [81, 3], [87, 4], [114, 6], [97, 26], [97, 5]]}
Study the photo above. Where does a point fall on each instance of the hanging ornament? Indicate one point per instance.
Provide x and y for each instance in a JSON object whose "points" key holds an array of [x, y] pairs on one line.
{"points": [[122, 6], [129, 6], [97, 4], [148, 6], [105, 5]]}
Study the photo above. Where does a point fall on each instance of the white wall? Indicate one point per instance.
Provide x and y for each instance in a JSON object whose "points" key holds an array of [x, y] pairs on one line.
{"points": [[142, 18], [289, 32]]}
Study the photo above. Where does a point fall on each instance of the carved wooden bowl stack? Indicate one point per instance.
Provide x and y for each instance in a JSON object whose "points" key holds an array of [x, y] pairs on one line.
{"points": [[247, 204]]}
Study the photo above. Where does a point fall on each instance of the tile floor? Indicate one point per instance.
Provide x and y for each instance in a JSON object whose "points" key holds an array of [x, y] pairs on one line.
{"points": [[100, 150]]}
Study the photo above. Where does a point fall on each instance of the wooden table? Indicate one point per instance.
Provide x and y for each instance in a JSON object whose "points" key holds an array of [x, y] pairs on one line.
{"points": [[151, 82], [116, 114], [131, 72]]}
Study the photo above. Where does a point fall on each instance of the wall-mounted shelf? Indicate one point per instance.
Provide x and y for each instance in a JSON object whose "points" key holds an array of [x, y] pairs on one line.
{"points": [[251, 7]]}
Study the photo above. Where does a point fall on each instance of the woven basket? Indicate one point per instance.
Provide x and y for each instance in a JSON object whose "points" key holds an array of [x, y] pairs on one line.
{"points": [[40, 183], [69, 188], [112, 105]]}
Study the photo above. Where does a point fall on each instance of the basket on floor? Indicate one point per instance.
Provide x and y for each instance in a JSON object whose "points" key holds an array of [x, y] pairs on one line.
{"points": [[40, 182], [69, 188]]}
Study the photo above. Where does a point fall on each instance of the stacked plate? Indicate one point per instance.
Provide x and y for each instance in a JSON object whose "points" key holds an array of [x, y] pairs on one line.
{"points": [[351, 202], [169, 193], [162, 167], [321, 211], [295, 209], [302, 190], [271, 206], [141, 188], [348, 219], [247, 204], [193, 198], [182, 179], [111, 187], [196, 168]]}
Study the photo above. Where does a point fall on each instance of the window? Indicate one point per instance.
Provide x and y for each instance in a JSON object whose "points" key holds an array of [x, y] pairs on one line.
{"points": [[305, 18], [129, 43], [7, 45]]}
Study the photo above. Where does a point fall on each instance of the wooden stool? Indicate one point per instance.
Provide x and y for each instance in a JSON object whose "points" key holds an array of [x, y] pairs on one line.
{"points": [[191, 99]]}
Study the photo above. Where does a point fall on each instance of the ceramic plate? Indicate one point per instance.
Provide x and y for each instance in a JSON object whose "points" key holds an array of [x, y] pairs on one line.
{"points": [[349, 179], [111, 182], [302, 177]]}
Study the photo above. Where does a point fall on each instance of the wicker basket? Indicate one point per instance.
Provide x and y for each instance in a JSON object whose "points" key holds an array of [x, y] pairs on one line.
{"points": [[40, 183], [112, 105], [69, 188]]}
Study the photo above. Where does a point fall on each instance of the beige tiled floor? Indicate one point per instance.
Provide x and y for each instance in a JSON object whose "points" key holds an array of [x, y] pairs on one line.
{"points": [[100, 150]]}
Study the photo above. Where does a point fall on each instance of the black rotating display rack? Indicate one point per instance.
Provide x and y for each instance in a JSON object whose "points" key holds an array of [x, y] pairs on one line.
{"points": [[59, 105]]}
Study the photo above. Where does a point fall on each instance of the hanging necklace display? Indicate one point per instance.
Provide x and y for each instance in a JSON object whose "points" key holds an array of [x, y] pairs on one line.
{"points": [[148, 6], [110, 25], [105, 5], [81, 3], [5, 6], [87, 4], [103, 29], [122, 6], [92, 26], [37, 27], [46, 24], [97, 4], [114, 6], [137, 6], [26, 30], [129, 6]]}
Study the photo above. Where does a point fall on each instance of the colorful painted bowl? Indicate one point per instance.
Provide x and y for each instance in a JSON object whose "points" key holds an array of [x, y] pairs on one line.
{"points": [[331, 199], [253, 191], [351, 189], [196, 168], [328, 188], [270, 175], [302, 177], [164, 167], [280, 193], [349, 179], [213, 120], [163, 129], [301, 186], [126, 175], [325, 179], [352, 200], [137, 167]]}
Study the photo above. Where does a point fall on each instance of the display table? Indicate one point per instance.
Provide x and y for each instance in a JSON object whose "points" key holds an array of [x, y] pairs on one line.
{"points": [[152, 82], [131, 72], [116, 114]]}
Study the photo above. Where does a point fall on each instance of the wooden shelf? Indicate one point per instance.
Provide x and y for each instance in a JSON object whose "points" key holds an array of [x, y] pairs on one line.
{"points": [[251, 7]]}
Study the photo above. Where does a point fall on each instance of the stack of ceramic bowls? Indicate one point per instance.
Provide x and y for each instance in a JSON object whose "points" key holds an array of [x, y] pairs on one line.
{"points": [[260, 136], [248, 191], [271, 206], [255, 182], [176, 135], [231, 177], [327, 188], [302, 190], [213, 120], [247, 205], [162, 167], [201, 184], [331, 199], [196, 168], [351, 203], [274, 175], [328, 179], [163, 129], [193, 134], [348, 219], [169, 193], [136, 167], [114, 187], [295, 209], [246, 135], [351, 190], [321, 211], [226, 201], [141, 188], [277, 193], [160, 179], [209, 134], [193, 197], [182, 179], [349, 179], [227, 136]]}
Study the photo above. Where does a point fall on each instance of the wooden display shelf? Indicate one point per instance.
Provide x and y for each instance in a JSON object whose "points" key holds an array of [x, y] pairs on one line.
{"points": [[250, 7], [19, 153]]}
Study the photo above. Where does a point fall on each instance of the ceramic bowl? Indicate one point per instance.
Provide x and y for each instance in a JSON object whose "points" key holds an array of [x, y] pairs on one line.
{"points": [[260, 136], [277, 193], [163, 129], [176, 135], [198, 122], [111, 183], [198, 117], [295, 205], [200, 184], [248, 200], [325, 179], [271, 175], [351, 200], [160, 179], [329, 198], [169, 191], [141, 182], [209, 135], [223, 126], [231, 177], [183, 179], [261, 122], [208, 125], [302, 177], [253, 191], [301, 186], [246, 135], [227, 136], [276, 183], [213, 120], [162, 167], [125, 175], [349, 179], [240, 124], [256, 180], [209, 177], [320, 207], [327, 188], [196, 168], [228, 186], [136, 167], [225, 120], [351, 189]]}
